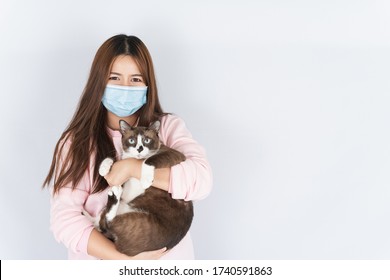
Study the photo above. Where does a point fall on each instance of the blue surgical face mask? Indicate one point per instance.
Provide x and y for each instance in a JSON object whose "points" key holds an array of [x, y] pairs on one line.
{"points": [[124, 101]]}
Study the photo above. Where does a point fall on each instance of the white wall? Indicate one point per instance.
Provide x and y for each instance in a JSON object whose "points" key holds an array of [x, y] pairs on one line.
{"points": [[289, 98]]}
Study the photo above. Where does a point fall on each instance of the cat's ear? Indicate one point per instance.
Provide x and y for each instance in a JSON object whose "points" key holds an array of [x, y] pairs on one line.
{"points": [[155, 126], [124, 126]]}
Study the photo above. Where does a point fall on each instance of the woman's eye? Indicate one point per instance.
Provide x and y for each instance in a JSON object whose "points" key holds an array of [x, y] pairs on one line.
{"points": [[132, 141], [147, 140], [114, 78], [136, 80]]}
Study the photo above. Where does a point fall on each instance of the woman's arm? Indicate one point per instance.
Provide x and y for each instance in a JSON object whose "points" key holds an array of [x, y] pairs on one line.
{"points": [[123, 170], [100, 247], [192, 178]]}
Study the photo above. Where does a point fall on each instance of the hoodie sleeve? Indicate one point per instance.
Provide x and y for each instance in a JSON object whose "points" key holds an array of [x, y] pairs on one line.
{"points": [[191, 179], [67, 223]]}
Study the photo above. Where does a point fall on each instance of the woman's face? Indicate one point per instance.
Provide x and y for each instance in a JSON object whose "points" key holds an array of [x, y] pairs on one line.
{"points": [[125, 72]]}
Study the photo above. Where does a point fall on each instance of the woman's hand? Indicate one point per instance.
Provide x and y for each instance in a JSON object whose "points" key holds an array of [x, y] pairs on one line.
{"points": [[102, 248], [150, 255], [122, 170]]}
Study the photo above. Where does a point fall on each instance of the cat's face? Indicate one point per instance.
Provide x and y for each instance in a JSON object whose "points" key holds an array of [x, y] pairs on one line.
{"points": [[139, 142]]}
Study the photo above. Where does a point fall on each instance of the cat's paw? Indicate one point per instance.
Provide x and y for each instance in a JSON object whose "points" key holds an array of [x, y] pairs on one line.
{"points": [[115, 191], [93, 220], [86, 214], [105, 166], [147, 176]]}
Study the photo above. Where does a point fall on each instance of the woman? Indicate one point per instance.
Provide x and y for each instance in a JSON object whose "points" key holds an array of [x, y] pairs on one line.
{"points": [[93, 134]]}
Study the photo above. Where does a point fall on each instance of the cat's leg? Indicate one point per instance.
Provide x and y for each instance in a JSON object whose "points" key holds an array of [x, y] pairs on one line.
{"points": [[100, 221], [114, 196], [105, 166], [131, 189], [147, 175], [95, 220]]}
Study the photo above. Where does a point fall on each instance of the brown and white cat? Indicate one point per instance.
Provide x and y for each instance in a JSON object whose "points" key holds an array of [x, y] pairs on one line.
{"points": [[139, 217]]}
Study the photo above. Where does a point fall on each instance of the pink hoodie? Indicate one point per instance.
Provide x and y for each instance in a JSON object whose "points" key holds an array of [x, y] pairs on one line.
{"points": [[190, 180]]}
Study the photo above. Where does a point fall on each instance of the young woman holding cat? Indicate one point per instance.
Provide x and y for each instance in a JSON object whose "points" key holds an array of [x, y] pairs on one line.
{"points": [[121, 63]]}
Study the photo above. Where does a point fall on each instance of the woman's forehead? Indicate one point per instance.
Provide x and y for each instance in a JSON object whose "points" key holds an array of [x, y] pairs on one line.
{"points": [[124, 64]]}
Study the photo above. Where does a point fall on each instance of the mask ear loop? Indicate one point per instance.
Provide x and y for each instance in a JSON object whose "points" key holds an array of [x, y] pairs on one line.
{"points": [[136, 122]]}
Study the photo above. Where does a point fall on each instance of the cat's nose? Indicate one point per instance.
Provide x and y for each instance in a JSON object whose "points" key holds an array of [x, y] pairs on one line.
{"points": [[140, 149]]}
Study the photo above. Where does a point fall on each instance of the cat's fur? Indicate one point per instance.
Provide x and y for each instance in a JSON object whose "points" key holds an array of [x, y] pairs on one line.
{"points": [[139, 217]]}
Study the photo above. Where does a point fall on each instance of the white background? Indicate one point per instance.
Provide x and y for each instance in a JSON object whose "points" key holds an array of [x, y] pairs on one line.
{"points": [[289, 98]]}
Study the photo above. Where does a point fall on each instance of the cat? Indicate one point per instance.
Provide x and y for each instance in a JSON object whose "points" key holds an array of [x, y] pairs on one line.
{"points": [[139, 217]]}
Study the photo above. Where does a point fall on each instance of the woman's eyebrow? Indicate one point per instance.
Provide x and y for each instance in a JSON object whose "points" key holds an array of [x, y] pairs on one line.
{"points": [[119, 74]]}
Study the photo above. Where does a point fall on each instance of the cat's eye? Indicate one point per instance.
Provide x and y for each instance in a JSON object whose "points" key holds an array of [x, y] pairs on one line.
{"points": [[132, 141], [147, 140]]}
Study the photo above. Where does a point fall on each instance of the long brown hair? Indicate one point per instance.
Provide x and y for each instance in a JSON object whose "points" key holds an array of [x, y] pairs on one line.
{"points": [[87, 133]]}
